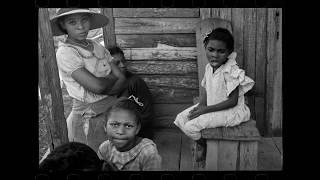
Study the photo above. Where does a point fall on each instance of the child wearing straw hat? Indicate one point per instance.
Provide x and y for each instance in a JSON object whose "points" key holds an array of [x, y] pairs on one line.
{"points": [[86, 68]]}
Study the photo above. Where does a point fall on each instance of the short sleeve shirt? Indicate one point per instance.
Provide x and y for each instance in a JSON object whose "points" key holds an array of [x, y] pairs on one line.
{"points": [[143, 157], [71, 58]]}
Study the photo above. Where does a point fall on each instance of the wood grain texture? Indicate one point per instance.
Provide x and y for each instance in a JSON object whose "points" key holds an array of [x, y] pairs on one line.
{"points": [[109, 29], [249, 43], [248, 155], [260, 69], [205, 13], [49, 82], [164, 122], [155, 12], [226, 13], [274, 70], [160, 67], [162, 51], [227, 156], [246, 131], [173, 95], [154, 25], [186, 154], [168, 142], [185, 82], [269, 156], [152, 40], [237, 24], [212, 155]]}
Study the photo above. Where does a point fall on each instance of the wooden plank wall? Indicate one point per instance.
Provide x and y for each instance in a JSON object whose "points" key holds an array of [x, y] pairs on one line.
{"points": [[160, 44], [258, 42]]}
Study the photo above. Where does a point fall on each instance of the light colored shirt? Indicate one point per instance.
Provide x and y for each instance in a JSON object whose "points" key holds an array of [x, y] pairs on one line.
{"points": [[71, 58], [143, 157], [222, 82]]}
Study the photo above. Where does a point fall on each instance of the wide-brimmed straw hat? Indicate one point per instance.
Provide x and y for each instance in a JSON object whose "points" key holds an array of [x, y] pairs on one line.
{"points": [[96, 21]]}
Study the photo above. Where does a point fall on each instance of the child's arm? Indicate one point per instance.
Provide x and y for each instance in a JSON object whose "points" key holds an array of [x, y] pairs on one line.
{"points": [[229, 103], [202, 100], [121, 82]]}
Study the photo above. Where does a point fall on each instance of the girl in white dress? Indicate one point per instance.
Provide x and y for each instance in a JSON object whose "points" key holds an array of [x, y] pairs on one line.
{"points": [[223, 85]]}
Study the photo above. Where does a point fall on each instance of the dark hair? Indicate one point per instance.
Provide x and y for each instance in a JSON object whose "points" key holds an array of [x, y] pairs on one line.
{"points": [[126, 104], [72, 156], [221, 34], [59, 21], [115, 50]]}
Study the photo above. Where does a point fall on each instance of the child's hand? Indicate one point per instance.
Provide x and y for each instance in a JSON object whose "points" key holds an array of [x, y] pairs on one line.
{"points": [[195, 112]]}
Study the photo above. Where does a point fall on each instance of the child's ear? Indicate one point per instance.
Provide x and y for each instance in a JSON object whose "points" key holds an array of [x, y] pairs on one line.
{"points": [[138, 128]]}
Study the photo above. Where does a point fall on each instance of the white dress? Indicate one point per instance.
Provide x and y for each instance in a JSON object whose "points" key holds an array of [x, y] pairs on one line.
{"points": [[218, 86]]}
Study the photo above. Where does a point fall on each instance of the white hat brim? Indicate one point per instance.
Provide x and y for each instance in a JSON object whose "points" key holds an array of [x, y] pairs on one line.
{"points": [[96, 21]]}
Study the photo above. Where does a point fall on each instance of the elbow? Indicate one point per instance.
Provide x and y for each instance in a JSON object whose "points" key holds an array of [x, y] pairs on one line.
{"points": [[99, 88], [234, 102]]}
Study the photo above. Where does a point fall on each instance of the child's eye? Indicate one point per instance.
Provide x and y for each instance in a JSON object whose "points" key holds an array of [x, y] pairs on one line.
{"points": [[221, 51], [129, 126], [85, 19], [72, 22], [114, 124]]}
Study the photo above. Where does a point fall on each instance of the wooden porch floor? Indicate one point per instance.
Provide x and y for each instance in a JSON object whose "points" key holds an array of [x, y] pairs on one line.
{"points": [[175, 149]]}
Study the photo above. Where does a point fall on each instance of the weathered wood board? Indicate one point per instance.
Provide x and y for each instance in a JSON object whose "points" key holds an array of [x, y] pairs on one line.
{"points": [[155, 12], [269, 156], [152, 40], [248, 155], [246, 131], [186, 153], [154, 25], [173, 95], [168, 142], [157, 67]]}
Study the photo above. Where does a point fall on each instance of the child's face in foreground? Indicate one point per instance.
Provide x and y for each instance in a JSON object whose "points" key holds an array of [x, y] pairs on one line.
{"points": [[122, 129], [120, 61], [217, 53], [77, 26]]}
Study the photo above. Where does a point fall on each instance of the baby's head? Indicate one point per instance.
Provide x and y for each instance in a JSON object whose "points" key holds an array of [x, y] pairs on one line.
{"points": [[72, 156], [123, 123], [118, 57], [219, 44]]}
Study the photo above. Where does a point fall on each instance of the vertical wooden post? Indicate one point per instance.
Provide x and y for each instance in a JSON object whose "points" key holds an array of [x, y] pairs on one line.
{"points": [[109, 30], [249, 56], [237, 26], [49, 83], [201, 60], [260, 67], [274, 71]]}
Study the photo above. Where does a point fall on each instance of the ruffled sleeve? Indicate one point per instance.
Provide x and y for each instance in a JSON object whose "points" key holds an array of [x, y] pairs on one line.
{"points": [[203, 82], [234, 77]]}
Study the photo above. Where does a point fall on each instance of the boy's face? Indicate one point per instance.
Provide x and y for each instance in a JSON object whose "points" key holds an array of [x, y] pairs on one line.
{"points": [[122, 129], [120, 61]]}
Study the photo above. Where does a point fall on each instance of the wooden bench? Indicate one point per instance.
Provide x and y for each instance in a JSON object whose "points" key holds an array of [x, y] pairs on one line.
{"points": [[231, 148]]}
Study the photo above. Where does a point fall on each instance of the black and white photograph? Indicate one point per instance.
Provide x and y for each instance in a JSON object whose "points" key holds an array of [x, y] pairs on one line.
{"points": [[160, 89]]}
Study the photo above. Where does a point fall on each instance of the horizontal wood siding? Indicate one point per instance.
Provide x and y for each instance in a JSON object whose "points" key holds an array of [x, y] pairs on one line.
{"points": [[152, 40], [160, 45], [154, 25], [155, 12]]}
